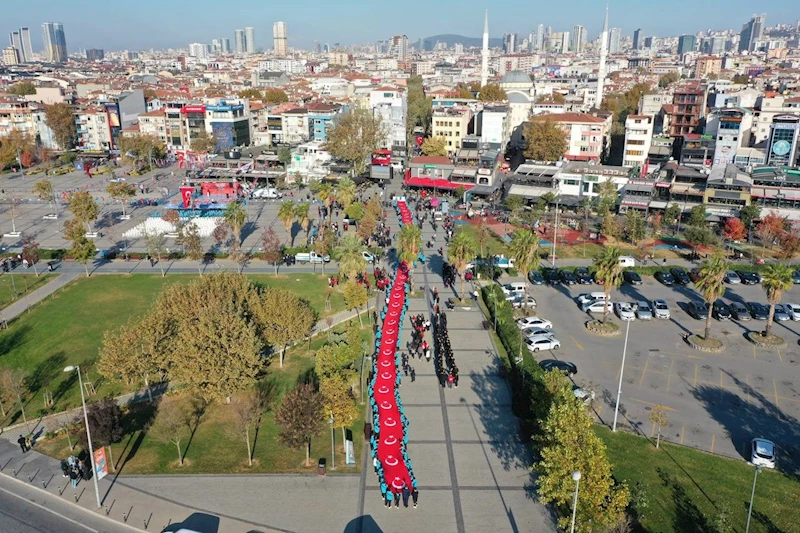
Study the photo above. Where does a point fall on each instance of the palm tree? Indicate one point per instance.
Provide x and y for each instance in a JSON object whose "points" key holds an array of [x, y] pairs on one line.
{"points": [[346, 192], [711, 284], [286, 212], [235, 216], [325, 194], [609, 272], [460, 252], [301, 212], [524, 248], [776, 279], [349, 253], [409, 244]]}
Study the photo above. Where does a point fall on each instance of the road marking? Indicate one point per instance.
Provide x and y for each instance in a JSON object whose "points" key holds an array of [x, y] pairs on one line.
{"points": [[683, 431], [695, 376], [775, 388], [754, 352], [713, 442], [44, 508], [721, 384], [651, 404], [779, 354], [579, 345], [687, 356], [644, 372], [669, 378]]}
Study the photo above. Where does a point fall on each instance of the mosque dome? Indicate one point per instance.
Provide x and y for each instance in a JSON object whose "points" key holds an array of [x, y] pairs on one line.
{"points": [[517, 76]]}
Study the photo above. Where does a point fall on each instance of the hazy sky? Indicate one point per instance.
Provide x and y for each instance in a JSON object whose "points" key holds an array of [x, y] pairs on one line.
{"points": [[142, 24]]}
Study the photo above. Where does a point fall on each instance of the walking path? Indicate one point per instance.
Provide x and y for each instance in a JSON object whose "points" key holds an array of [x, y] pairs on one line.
{"points": [[23, 304]]}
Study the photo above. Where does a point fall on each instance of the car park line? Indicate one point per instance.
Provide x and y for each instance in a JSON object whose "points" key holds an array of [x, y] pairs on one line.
{"points": [[694, 384], [651, 404], [779, 354], [713, 441], [669, 378], [644, 372], [683, 432], [775, 388], [579, 345]]}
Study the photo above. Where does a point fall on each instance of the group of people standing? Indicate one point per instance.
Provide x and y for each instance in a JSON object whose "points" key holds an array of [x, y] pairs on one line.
{"points": [[74, 469], [445, 363]]}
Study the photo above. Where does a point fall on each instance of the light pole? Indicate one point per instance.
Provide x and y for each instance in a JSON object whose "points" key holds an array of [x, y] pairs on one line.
{"points": [[780, 196], [621, 371], [333, 442], [88, 433], [752, 495], [555, 233], [576, 477]]}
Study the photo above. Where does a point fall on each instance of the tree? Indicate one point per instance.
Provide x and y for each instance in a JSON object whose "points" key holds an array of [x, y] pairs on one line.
{"points": [[611, 227], [775, 279], [514, 203], [698, 236], [141, 149], [302, 214], [672, 214], [346, 192], [435, 146], [22, 88], [524, 248], [275, 96], [12, 382], [409, 244], [609, 272], [606, 197], [83, 207], [789, 245], [121, 191], [568, 443], [463, 92], [734, 230], [367, 225], [355, 211], [711, 285], [60, 119], [492, 92], [235, 216], [658, 416], [483, 234], [748, 214], [461, 250], [355, 295], [325, 194], [287, 213], [83, 250], [14, 144], [324, 244], [284, 155], [172, 420], [335, 359], [105, 424], [668, 79], [697, 217], [156, 247], [338, 401], [770, 228], [552, 98], [355, 137], [624, 104], [251, 92], [194, 245], [300, 417], [284, 317], [350, 254], [27, 159], [44, 190], [246, 413], [272, 248], [634, 225], [30, 251], [204, 142], [546, 141]]}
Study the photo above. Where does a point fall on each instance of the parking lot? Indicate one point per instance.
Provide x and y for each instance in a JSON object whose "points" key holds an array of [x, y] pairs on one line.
{"points": [[714, 402]]}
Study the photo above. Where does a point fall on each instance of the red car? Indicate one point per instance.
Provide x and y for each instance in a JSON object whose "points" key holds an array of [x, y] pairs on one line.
{"points": [[694, 274]]}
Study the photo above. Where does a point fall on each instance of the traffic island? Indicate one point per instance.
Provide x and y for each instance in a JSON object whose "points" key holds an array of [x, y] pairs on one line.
{"points": [[710, 344], [609, 329], [765, 341]]}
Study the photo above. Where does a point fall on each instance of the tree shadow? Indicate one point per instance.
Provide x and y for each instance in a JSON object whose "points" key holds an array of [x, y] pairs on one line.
{"points": [[764, 520], [363, 524], [248, 229], [308, 377], [197, 411], [43, 374], [12, 338], [65, 386], [688, 517], [197, 522]]}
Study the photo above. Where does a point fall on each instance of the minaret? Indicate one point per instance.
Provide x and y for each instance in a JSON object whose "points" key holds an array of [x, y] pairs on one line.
{"points": [[485, 51], [601, 74]]}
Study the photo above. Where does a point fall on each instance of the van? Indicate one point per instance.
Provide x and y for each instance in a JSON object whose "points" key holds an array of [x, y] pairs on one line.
{"points": [[267, 193], [626, 261], [517, 287], [437, 216], [591, 297]]}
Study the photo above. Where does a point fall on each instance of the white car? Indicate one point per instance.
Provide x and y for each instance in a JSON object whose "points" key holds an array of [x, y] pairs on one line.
{"points": [[660, 309], [625, 310], [590, 297], [519, 301], [597, 306], [732, 277], [763, 453], [530, 321], [644, 310], [585, 396], [267, 193], [368, 257], [537, 331], [542, 342], [50, 216], [793, 310], [782, 313]]}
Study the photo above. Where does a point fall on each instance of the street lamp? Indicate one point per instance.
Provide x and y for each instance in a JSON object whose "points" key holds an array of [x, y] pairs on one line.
{"points": [[780, 196], [333, 443], [752, 495], [77, 369], [621, 371], [576, 477], [555, 233]]}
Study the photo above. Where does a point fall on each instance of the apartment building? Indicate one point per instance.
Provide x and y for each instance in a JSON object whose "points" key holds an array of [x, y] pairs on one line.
{"points": [[154, 123], [586, 135], [707, 67], [16, 115], [321, 117], [688, 109], [95, 129], [638, 138], [229, 122], [494, 127], [391, 105], [452, 123], [767, 107], [731, 128]]}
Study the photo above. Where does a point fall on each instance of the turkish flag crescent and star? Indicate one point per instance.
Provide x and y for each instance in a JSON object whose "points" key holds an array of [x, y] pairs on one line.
{"points": [[186, 194]]}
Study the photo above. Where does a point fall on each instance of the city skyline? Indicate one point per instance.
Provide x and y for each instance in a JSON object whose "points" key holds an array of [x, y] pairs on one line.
{"points": [[92, 28]]}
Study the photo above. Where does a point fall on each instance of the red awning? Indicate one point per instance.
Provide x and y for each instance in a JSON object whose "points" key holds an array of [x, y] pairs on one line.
{"points": [[437, 183]]}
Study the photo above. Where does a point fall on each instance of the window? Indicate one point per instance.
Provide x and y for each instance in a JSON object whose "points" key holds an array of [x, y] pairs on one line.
{"points": [[634, 142]]}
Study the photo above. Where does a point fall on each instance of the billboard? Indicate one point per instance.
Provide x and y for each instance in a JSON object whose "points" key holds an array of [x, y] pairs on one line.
{"points": [[100, 464], [194, 109], [223, 133]]}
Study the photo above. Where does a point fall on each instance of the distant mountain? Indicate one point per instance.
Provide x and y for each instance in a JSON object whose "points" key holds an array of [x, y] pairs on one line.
{"points": [[450, 39]]}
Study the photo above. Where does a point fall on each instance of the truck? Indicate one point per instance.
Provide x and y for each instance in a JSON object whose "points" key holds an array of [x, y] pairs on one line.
{"points": [[311, 257]]}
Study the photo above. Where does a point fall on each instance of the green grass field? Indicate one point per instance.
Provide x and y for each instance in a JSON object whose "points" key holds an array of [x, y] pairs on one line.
{"points": [[24, 284], [687, 489]]}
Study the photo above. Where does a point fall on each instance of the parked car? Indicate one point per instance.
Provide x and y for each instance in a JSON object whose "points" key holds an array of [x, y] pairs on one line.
{"points": [[551, 275], [660, 309], [721, 311], [665, 277], [781, 313], [598, 306], [794, 311], [368, 257], [796, 276], [732, 277], [568, 277], [749, 278], [632, 277], [626, 261], [763, 453], [534, 331], [680, 275], [569, 369], [510, 289], [530, 321], [625, 310], [590, 297], [583, 275], [644, 311], [521, 301], [535, 277], [740, 311], [585, 396], [697, 309], [694, 274], [758, 311], [542, 342]]}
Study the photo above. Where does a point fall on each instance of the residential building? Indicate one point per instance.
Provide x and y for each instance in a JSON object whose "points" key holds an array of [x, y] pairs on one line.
{"points": [[696, 150], [154, 123], [280, 39], [321, 117], [707, 67], [95, 54], [686, 44], [16, 115], [309, 161], [493, 126], [637, 39], [55, 42], [586, 135], [339, 58], [10, 56], [240, 42], [250, 40], [269, 79], [751, 32], [452, 123], [731, 127], [16, 42], [229, 123], [419, 68], [193, 123], [768, 108], [431, 171], [638, 137], [295, 125], [578, 39], [49, 95], [688, 109], [287, 65], [27, 49], [94, 127], [225, 45], [199, 51], [614, 41], [398, 47], [783, 145], [391, 105]]}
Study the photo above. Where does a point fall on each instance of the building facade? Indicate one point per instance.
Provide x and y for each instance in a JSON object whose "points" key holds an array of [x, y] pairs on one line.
{"points": [[55, 42], [638, 138]]}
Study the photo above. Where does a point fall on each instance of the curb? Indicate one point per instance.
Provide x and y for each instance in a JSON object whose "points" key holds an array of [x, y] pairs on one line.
{"points": [[752, 336], [706, 349], [590, 325]]}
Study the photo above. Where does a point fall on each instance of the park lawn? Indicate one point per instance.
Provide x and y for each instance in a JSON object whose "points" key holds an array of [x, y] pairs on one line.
{"points": [[24, 283], [685, 488], [311, 287], [494, 246]]}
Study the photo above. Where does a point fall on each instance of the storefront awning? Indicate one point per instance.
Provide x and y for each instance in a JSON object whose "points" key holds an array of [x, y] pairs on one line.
{"points": [[436, 183]]}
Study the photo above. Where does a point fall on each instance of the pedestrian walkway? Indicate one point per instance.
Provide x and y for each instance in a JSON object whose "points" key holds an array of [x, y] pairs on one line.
{"points": [[26, 302]]}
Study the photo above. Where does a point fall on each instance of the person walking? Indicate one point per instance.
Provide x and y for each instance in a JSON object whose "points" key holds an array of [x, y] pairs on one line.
{"points": [[413, 375], [23, 443], [406, 494], [414, 497]]}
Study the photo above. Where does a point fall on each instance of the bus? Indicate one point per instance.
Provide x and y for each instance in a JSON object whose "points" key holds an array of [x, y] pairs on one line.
{"points": [[382, 158]]}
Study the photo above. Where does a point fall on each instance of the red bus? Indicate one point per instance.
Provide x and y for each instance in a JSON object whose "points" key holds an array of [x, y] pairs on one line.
{"points": [[382, 158]]}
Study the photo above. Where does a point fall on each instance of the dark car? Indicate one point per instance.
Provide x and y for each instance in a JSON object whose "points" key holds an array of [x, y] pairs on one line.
{"points": [[568, 277], [551, 364], [758, 311], [796, 276], [665, 277], [632, 277], [749, 278], [535, 277], [551, 275], [697, 310], [721, 311], [694, 274], [583, 275], [680, 275], [740, 311]]}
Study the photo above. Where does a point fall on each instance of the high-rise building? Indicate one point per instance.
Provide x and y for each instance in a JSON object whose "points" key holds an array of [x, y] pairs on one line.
{"points": [[564, 42], [95, 54], [485, 51], [16, 43], [578, 39], [614, 41], [398, 47], [509, 43], [648, 42], [216, 47], [55, 42], [686, 44], [225, 45], [239, 41], [198, 50], [752, 31], [10, 56], [637, 39], [27, 49], [250, 40], [280, 44], [539, 47]]}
